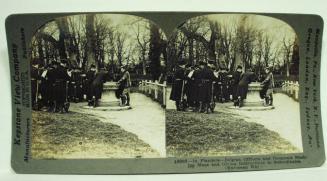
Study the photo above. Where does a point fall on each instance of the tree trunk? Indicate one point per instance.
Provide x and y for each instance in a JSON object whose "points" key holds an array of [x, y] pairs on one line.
{"points": [[154, 52], [143, 62], [190, 51], [90, 42]]}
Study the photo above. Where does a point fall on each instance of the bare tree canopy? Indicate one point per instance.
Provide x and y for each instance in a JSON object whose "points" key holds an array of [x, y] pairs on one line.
{"points": [[252, 41], [103, 40]]}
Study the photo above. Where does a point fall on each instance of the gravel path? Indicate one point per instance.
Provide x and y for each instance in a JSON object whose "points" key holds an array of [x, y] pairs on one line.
{"points": [[146, 120]]}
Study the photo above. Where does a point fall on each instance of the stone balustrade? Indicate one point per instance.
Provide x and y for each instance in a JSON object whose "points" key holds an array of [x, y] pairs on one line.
{"points": [[155, 90]]}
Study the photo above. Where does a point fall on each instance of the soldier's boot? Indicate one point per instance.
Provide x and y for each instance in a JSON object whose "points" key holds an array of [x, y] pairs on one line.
{"points": [[55, 108], [201, 107], [236, 103], [195, 107], [61, 110], [96, 102], [50, 108], [240, 102], [266, 101], [177, 104], [271, 100], [89, 102], [123, 100], [93, 101], [127, 99], [207, 108]]}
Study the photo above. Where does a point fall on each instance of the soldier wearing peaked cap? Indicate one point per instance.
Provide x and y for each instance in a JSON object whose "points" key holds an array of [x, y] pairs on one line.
{"points": [[35, 77], [124, 84], [61, 77], [178, 86], [204, 81], [96, 88], [243, 85], [90, 76], [223, 85], [236, 77], [266, 92]]}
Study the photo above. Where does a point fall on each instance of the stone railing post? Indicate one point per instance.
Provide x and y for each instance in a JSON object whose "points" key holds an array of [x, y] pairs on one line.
{"points": [[156, 86], [164, 98], [297, 90]]}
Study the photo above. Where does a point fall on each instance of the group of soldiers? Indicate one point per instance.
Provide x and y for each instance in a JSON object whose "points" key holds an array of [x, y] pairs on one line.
{"points": [[48, 85], [55, 85], [199, 87]]}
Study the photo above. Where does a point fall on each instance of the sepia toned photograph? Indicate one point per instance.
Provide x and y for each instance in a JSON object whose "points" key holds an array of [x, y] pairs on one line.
{"points": [[233, 87], [98, 88], [164, 92]]}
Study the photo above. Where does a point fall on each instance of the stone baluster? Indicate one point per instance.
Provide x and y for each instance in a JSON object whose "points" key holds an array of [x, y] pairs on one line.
{"points": [[156, 85], [164, 98], [296, 90]]}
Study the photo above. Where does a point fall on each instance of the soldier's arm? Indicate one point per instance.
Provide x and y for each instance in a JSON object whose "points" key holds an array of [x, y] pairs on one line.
{"points": [[122, 78], [267, 79]]}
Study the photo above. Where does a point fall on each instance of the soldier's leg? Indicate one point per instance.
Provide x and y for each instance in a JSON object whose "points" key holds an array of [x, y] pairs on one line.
{"points": [[177, 104], [123, 99], [240, 101], [51, 90], [271, 99], [127, 99], [201, 106], [33, 90], [61, 97]]}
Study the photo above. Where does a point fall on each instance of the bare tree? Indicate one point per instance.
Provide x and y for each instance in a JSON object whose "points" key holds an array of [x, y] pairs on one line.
{"points": [[287, 51], [120, 46], [267, 54], [90, 44], [245, 36], [143, 40], [208, 44]]}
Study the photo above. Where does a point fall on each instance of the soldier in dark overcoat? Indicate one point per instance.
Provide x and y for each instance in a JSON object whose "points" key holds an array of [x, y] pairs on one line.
{"points": [[60, 86], [204, 82], [236, 77], [34, 83], [243, 85], [75, 85], [97, 86], [266, 92], [178, 86], [223, 85], [90, 76], [50, 78], [124, 85], [192, 87]]}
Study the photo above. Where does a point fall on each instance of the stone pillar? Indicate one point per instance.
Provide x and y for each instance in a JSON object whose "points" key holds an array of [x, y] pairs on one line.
{"points": [[108, 95], [164, 93], [253, 96], [156, 90]]}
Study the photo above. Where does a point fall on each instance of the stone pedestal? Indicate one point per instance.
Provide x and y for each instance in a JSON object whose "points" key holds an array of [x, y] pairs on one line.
{"points": [[253, 95], [253, 101], [108, 95], [108, 99]]}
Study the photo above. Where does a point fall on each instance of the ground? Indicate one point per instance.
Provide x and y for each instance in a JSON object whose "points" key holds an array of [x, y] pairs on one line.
{"points": [[144, 131], [94, 133], [220, 133], [281, 125], [283, 119], [76, 135], [146, 120]]}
